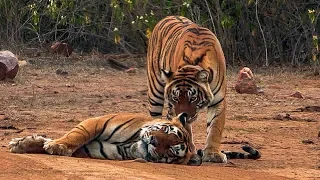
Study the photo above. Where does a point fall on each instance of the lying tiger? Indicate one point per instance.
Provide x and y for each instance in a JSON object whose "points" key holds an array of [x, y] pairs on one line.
{"points": [[123, 137]]}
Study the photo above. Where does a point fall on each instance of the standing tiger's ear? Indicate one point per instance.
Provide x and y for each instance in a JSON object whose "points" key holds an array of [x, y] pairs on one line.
{"points": [[183, 118], [203, 76], [166, 75]]}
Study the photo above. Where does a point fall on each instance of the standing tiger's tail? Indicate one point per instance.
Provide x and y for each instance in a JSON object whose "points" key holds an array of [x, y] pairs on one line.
{"points": [[252, 153]]}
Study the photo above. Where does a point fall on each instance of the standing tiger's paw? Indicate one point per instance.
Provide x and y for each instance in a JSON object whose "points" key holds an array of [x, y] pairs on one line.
{"points": [[195, 160], [53, 148], [28, 144], [216, 157]]}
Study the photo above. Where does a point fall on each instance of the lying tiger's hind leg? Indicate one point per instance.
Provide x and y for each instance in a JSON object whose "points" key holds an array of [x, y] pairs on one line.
{"points": [[28, 144], [76, 138], [215, 124]]}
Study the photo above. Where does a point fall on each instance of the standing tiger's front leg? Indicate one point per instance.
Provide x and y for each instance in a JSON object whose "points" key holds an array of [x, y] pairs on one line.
{"points": [[215, 124], [192, 146], [155, 95]]}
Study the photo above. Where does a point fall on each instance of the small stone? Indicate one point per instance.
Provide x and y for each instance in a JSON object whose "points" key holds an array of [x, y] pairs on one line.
{"points": [[130, 70], [297, 95], [3, 117], [283, 116], [61, 48], [307, 141], [143, 92], [61, 72], [22, 63]]}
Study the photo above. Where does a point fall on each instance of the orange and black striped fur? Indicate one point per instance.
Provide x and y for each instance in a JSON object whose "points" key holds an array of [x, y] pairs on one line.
{"points": [[118, 137], [186, 68]]}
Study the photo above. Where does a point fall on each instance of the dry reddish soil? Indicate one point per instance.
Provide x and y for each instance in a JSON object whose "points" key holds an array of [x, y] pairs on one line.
{"points": [[42, 101]]}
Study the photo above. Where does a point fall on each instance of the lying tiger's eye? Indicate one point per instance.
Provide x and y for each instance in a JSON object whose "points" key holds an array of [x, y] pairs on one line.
{"points": [[183, 147], [163, 128]]}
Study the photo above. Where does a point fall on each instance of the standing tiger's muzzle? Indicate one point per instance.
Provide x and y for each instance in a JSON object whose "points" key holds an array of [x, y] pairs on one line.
{"points": [[185, 106]]}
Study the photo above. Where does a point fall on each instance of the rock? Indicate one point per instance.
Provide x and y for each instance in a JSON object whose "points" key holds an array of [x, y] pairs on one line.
{"points": [[10, 126], [245, 73], [3, 117], [307, 141], [283, 116], [297, 95], [310, 109], [130, 70], [9, 65], [61, 48], [117, 65], [99, 101], [61, 72], [22, 63], [246, 82]]}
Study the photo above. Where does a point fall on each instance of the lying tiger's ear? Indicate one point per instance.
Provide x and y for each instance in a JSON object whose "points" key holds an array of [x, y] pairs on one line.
{"points": [[166, 75], [183, 118], [203, 76]]}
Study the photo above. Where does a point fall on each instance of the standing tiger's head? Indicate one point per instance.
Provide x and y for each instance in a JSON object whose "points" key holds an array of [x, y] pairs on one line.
{"points": [[166, 142], [187, 90]]}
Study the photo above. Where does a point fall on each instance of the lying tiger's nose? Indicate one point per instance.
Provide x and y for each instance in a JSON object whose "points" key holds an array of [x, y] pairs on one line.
{"points": [[153, 141]]}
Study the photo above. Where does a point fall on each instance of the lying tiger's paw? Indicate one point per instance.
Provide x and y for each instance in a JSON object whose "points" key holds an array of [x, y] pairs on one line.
{"points": [[140, 160], [214, 157], [31, 144], [57, 149]]}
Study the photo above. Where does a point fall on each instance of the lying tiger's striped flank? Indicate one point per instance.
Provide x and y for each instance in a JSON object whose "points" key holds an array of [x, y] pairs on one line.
{"points": [[186, 68]]}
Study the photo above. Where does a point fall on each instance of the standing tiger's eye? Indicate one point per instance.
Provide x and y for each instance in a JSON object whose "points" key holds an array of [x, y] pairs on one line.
{"points": [[193, 99], [175, 98]]}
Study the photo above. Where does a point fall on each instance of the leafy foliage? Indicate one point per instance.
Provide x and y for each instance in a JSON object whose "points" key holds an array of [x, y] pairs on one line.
{"points": [[290, 28]]}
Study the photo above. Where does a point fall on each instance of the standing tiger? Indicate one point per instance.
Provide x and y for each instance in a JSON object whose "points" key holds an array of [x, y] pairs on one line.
{"points": [[186, 67]]}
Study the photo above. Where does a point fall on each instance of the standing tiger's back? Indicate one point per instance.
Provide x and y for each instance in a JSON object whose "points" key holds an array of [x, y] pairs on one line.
{"points": [[186, 68]]}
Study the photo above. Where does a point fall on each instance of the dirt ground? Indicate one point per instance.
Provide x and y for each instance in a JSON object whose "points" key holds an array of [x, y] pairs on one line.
{"points": [[43, 100]]}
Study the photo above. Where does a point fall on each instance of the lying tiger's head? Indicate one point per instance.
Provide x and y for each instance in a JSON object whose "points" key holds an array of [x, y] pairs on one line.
{"points": [[166, 142], [187, 90]]}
